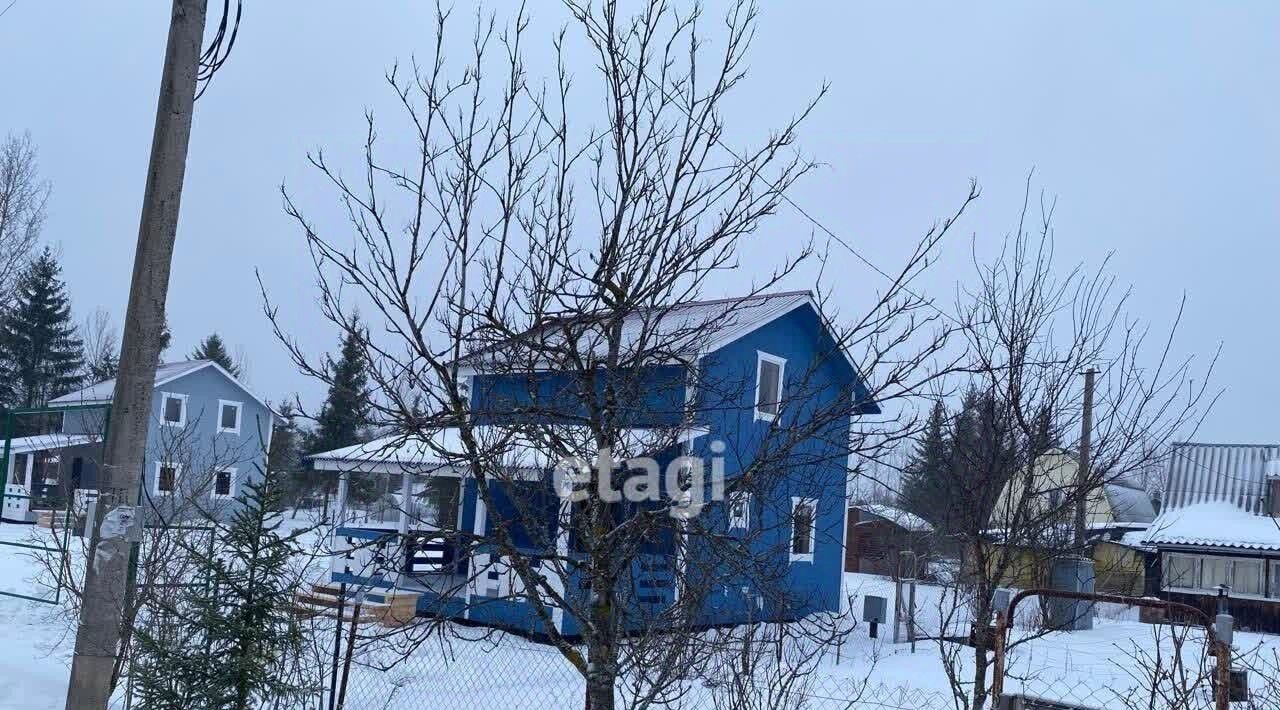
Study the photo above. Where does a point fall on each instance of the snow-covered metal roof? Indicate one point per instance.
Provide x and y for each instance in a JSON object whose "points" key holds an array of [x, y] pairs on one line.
{"points": [[1128, 504], [506, 446], [103, 391], [907, 521], [687, 328], [48, 442], [1215, 495], [1214, 524], [166, 372], [682, 328]]}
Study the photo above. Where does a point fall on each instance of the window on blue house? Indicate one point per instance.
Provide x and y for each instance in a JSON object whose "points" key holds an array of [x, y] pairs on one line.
{"points": [[229, 416], [769, 369], [166, 481], [739, 510], [173, 409], [224, 483], [804, 521]]}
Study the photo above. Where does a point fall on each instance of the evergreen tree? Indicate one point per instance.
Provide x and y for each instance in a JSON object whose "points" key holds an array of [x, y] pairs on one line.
{"points": [[345, 413], [104, 365], [212, 348], [41, 356], [231, 642], [984, 454], [924, 484], [344, 417]]}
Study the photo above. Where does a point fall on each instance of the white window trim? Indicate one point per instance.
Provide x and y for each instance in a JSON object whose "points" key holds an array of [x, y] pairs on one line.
{"points": [[177, 478], [761, 358], [813, 529], [213, 491], [742, 522], [164, 401], [239, 413], [1202, 591]]}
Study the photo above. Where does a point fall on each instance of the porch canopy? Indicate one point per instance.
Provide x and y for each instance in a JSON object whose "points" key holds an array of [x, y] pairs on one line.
{"points": [[525, 451]]}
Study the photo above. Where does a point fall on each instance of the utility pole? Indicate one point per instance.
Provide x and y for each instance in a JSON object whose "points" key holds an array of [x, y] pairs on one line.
{"points": [[117, 524], [1083, 484]]}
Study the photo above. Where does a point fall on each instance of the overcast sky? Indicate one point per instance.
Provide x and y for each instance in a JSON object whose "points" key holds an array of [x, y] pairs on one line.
{"points": [[1157, 133]]}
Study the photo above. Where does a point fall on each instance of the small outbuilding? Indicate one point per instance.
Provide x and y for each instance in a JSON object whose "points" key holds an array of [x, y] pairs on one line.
{"points": [[876, 534]]}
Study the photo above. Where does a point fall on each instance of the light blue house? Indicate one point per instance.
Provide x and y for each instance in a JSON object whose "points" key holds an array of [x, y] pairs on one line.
{"points": [[208, 436], [763, 374]]}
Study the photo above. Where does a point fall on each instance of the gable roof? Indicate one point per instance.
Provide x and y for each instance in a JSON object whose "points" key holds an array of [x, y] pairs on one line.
{"points": [[696, 327], [907, 521], [102, 392]]}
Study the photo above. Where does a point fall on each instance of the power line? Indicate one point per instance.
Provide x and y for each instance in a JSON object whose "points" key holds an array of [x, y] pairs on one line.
{"points": [[688, 111]]}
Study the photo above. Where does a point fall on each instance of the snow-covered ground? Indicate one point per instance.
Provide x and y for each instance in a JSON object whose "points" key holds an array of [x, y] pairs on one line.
{"points": [[493, 670]]}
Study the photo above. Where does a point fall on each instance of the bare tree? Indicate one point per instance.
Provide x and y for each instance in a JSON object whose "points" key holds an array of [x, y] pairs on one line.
{"points": [[23, 197], [101, 341], [1031, 328], [520, 242]]}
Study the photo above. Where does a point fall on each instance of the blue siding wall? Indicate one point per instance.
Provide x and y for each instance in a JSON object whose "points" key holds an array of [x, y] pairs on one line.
{"points": [[815, 377], [656, 399]]}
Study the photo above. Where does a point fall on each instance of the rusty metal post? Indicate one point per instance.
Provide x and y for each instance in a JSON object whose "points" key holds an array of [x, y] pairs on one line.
{"points": [[997, 667], [1222, 689]]}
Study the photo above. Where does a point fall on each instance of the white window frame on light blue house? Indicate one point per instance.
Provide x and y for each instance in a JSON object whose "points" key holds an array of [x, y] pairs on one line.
{"points": [[177, 478], [763, 357], [164, 409], [232, 476], [812, 504], [224, 403]]}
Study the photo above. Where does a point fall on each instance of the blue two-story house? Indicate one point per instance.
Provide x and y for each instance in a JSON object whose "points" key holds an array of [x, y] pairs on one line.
{"points": [[208, 437], [764, 394]]}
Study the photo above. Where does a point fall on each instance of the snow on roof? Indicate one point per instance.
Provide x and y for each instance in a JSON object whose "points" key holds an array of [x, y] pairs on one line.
{"points": [[1129, 505], [47, 442], [512, 448], [104, 390], [1214, 524], [907, 521], [693, 327]]}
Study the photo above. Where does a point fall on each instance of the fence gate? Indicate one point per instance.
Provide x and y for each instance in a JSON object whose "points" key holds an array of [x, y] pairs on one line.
{"points": [[1203, 684]]}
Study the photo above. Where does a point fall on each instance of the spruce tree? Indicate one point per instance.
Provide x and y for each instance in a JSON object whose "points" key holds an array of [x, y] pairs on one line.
{"points": [[41, 356], [233, 641], [924, 485], [345, 414], [212, 348]]}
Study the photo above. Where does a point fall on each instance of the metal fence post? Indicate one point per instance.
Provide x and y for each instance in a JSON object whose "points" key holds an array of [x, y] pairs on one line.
{"points": [[997, 668]]}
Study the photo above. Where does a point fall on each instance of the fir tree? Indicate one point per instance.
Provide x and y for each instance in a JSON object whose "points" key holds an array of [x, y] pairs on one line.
{"points": [[344, 416], [345, 413], [924, 485], [984, 454], [232, 642], [212, 348], [104, 365], [41, 356]]}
